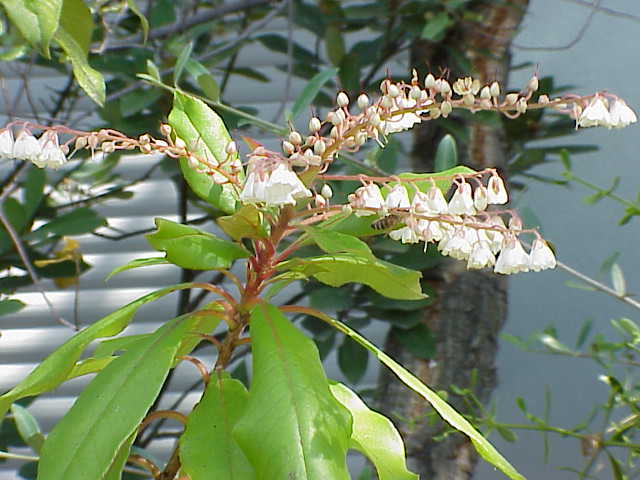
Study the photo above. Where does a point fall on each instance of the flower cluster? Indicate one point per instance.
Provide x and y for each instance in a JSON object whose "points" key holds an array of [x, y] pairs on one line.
{"points": [[461, 227], [43, 152], [600, 111]]}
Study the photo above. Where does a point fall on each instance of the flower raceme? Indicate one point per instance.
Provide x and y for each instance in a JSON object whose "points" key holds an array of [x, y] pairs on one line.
{"points": [[45, 152]]}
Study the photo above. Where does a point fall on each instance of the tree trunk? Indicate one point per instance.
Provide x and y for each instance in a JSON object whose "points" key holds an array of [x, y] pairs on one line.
{"points": [[470, 307]]}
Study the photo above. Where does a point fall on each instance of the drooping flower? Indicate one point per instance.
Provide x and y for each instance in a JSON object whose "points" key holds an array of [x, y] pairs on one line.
{"points": [[481, 256], [401, 121], [26, 147], [512, 257], [397, 198], [462, 202], [496, 191], [541, 257], [51, 155], [6, 143], [620, 115], [272, 183], [480, 198], [365, 197], [436, 201], [595, 114]]}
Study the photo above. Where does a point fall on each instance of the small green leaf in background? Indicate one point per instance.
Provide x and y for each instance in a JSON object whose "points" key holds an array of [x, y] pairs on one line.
{"points": [[87, 441], [10, 305], [352, 360], [33, 192], [424, 185], [375, 437], [133, 6], [418, 340], [311, 90], [334, 43], [293, 427], [77, 222], [74, 37], [207, 137], [181, 61], [436, 27], [385, 278], [191, 248], [205, 80], [25, 19], [138, 263], [617, 278], [28, 427], [446, 154], [207, 448]]}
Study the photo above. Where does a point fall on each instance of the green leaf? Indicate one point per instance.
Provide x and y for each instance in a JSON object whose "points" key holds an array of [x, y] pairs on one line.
{"points": [[133, 6], [153, 71], [10, 305], [181, 61], [385, 278], [74, 36], [87, 440], [191, 248], [48, 13], [293, 427], [334, 43], [336, 242], [120, 459], [442, 184], [448, 413], [247, 222], [436, 27], [352, 359], [617, 278], [417, 340], [77, 222], [107, 348], [25, 19], [446, 154], [375, 437], [28, 427], [55, 369], [554, 344], [34, 190], [207, 448], [308, 95], [138, 263], [207, 137]]}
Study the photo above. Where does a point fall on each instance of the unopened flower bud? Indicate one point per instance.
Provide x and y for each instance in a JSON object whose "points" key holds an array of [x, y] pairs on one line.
{"points": [[415, 92], [314, 124], [310, 140], [64, 148], [81, 142], [92, 141], [443, 87], [485, 93], [180, 143], [543, 99], [393, 91], [288, 148], [511, 98], [334, 133], [146, 148], [495, 89], [384, 86], [144, 139], [515, 224], [165, 129], [533, 84], [231, 148], [375, 119], [363, 101], [295, 138], [468, 99], [193, 162], [320, 201], [326, 191], [343, 100], [430, 82], [361, 138], [319, 147], [160, 143], [108, 147], [521, 106], [347, 209], [386, 102], [446, 108]]}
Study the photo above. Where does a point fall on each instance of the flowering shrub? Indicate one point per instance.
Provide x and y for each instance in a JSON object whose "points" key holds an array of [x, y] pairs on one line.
{"points": [[276, 204]]}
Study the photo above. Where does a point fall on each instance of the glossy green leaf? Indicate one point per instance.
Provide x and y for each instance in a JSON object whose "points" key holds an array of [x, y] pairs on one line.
{"points": [[206, 136], [115, 469], [48, 13], [247, 222], [442, 183], [74, 36], [336, 242], [138, 263], [55, 369], [352, 360], [27, 427], [191, 248], [109, 347], [89, 365], [10, 305], [85, 443], [25, 19], [385, 278], [446, 411], [446, 154], [133, 6], [375, 437], [207, 448], [76, 222], [310, 92], [293, 427]]}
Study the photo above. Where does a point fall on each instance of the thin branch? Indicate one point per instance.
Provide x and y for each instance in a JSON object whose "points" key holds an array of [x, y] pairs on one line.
{"points": [[195, 221], [606, 11]]}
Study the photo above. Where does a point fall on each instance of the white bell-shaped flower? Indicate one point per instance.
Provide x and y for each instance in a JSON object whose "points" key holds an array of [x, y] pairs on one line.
{"points": [[397, 198], [6, 143], [480, 198], [436, 201], [51, 155], [401, 121], [405, 235], [541, 257], [512, 258], [481, 256], [369, 197], [595, 114], [26, 147], [496, 191], [462, 202], [284, 187], [254, 188], [620, 115]]}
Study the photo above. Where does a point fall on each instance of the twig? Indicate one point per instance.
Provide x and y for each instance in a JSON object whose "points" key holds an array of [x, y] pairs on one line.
{"points": [[195, 221], [607, 11]]}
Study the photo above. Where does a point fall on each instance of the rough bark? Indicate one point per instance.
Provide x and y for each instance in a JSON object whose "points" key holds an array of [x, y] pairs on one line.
{"points": [[470, 306]]}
